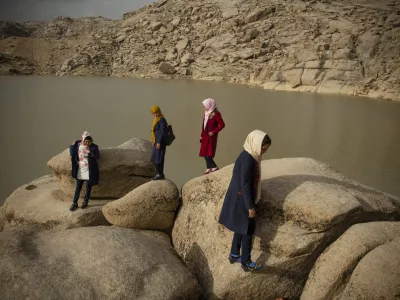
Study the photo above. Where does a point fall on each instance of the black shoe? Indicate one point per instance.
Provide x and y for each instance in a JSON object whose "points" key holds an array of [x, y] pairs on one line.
{"points": [[73, 206], [158, 177], [84, 204]]}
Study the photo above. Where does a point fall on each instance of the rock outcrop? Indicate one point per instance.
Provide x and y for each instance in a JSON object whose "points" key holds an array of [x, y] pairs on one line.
{"points": [[3, 220], [138, 144], [150, 206], [339, 46], [305, 206], [122, 169], [364, 263], [42, 204], [92, 263]]}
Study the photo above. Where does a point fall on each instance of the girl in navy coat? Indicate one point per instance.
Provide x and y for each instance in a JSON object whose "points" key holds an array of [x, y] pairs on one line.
{"points": [[84, 155], [210, 127], [238, 210], [158, 131]]}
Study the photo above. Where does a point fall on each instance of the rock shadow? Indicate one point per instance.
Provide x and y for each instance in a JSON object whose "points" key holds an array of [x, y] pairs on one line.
{"points": [[198, 265]]}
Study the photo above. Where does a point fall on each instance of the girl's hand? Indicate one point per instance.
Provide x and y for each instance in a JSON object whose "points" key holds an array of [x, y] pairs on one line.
{"points": [[158, 146], [252, 213], [210, 134]]}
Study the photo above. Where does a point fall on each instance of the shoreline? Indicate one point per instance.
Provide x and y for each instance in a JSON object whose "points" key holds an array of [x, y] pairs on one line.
{"points": [[249, 85]]}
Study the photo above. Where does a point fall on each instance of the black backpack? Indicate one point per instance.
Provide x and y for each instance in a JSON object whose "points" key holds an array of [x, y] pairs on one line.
{"points": [[169, 135]]}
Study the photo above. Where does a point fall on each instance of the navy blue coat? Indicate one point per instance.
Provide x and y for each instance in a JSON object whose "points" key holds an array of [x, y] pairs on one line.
{"points": [[94, 155], [240, 196], [159, 132]]}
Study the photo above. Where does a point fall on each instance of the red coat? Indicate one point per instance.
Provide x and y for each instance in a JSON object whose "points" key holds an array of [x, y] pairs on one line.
{"points": [[214, 124]]}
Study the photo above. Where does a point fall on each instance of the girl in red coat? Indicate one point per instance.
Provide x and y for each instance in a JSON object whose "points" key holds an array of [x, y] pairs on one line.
{"points": [[211, 125]]}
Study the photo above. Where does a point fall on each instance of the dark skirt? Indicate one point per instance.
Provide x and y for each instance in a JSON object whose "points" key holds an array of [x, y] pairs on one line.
{"points": [[157, 156]]}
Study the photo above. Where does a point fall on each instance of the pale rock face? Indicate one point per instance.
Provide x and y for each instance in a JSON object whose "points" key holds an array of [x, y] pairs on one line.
{"points": [[122, 169], [150, 206], [92, 263], [305, 206], [42, 204], [363, 263]]}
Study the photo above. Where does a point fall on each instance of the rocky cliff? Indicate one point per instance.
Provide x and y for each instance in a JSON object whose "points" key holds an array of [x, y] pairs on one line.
{"points": [[346, 47]]}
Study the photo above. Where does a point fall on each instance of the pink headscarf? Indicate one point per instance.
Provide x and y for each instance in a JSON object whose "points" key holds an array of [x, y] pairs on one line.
{"points": [[210, 106]]}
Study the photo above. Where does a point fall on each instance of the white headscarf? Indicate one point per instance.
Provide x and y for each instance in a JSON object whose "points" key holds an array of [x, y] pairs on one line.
{"points": [[84, 135], [210, 106], [252, 145]]}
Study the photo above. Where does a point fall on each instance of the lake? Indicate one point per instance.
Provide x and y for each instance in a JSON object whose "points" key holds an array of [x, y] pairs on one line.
{"points": [[41, 116]]}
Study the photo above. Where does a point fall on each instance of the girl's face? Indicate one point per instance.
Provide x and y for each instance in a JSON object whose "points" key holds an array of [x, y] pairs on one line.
{"points": [[264, 148], [87, 142], [156, 115], [205, 108]]}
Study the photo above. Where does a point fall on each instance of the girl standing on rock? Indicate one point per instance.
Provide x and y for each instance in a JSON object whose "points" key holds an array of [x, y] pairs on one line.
{"points": [[238, 210], [158, 131], [212, 124], [84, 155]]}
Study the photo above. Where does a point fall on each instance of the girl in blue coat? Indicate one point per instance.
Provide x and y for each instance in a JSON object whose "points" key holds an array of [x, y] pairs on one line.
{"points": [[238, 210], [84, 155]]}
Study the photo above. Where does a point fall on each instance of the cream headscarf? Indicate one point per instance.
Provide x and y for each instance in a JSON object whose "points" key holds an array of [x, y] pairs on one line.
{"points": [[252, 145], [210, 106]]}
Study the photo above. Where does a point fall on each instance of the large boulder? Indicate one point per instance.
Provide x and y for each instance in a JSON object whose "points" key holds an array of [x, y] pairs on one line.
{"points": [[150, 206], [42, 204], [121, 169], [305, 206], [92, 263], [139, 144], [364, 263]]}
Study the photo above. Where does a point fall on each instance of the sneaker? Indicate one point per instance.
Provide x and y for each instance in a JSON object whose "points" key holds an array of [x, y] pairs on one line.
{"points": [[234, 258], [251, 266], [84, 204], [214, 169], [207, 171], [73, 206], [158, 177]]}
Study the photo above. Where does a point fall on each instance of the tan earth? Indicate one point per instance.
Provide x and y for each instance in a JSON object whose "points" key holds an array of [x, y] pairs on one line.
{"points": [[305, 206], [149, 206], [92, 263], [122, 169], [364, 263], [342, 47], [42, 204]]}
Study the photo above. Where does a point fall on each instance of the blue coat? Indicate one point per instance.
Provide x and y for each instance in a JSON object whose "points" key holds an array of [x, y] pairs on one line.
{"points": [[94, 155], [159, 132], [240, 196]]}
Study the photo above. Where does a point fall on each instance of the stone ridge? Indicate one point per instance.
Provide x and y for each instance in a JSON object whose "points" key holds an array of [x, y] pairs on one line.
{"points": [[343, 47]]}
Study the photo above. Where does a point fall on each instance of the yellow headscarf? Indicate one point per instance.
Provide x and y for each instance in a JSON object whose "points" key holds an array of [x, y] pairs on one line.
{"points": [[253, 145], [155, 109]]}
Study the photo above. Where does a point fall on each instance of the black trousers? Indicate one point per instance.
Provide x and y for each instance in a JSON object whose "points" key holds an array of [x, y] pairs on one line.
{"points": [[210, 162], [244, 242], [79, 184]]}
